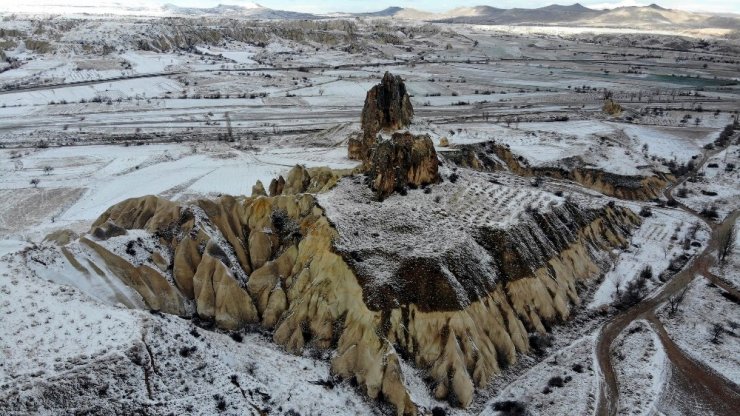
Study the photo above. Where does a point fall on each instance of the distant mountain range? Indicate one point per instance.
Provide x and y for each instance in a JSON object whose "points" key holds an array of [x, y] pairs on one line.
{"points": [[652, 16], [252, 10]]}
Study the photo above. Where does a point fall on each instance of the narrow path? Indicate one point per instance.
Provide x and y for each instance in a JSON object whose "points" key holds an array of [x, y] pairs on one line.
{"points": [[699, 387]]}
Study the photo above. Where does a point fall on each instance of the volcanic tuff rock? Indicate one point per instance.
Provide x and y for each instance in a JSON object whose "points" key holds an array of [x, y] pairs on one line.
{"points": [[455, 286], [387, 107], [489, 156], [612, 107], [453, 278], [404, 160], [301, 180]]}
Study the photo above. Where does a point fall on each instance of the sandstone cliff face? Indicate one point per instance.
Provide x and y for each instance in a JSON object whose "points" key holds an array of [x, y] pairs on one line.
{"points": [[301, 180], [265, 260], [492, 157], [455, 286], [387, 108], [404, 160]]}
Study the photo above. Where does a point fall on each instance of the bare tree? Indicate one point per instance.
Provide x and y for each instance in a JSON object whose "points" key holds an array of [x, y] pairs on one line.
{"points": [[726, 245], [35, 182], [717, 330], [675, 301]]}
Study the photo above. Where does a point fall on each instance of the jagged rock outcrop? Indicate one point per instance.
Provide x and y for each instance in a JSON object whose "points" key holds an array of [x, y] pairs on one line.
{"points": [[277, 185], [491, 157], [301, 179], [258, 189], [387, 107], [404, 160], [611, 107], [359, 146], [459, 303], [459, 287]]}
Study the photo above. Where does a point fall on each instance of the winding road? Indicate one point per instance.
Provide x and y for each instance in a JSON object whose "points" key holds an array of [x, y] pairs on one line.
{"points": [[692, 387]]}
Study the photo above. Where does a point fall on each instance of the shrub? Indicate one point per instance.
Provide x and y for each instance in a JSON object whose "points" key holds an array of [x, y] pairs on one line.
{"points": [[556, 381], [578, 368], [510, 408], [710, 212], [185, 351], [540, 342], [453, 178], [646, 212], [220, 402], [438, 411], [646, 273], [633, 293], [717, 330]]}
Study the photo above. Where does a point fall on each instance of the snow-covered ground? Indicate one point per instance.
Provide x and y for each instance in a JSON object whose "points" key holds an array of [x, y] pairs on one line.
{"points": [[716, 184], [293, 93], [730, 270], [563, 383], [641, 368], [77, 183], [660, 239], [704, 308], [54, 338]]}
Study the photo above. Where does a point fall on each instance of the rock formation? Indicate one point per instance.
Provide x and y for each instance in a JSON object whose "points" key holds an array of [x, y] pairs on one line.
{"points": [[258, 189], [404, 160], [490, 156], [611, 107], [457, 297], [359, 146], [300, 180], [387, 107], [452, 279]]}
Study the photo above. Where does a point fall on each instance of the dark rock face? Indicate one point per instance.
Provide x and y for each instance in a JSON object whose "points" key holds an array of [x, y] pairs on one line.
{"points": [[404, 160], [277, 185], [387, 107], [360, 146]]}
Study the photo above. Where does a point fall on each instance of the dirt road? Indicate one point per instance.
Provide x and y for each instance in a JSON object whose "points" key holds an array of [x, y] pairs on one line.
{"points": [[692, 387]]}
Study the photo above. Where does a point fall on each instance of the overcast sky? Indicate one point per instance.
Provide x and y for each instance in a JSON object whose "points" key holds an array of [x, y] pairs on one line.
{"points": [[323, 6]]}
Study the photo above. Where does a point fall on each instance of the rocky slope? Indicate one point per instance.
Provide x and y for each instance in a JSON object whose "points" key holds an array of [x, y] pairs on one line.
{"points": [[410, 278], [447, 268], [490, 156], [403, 161]]}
